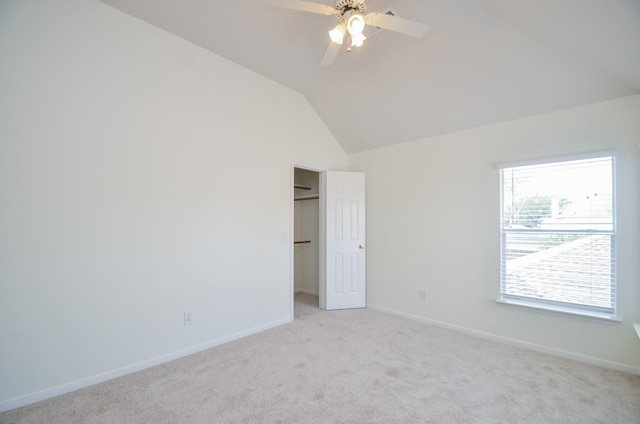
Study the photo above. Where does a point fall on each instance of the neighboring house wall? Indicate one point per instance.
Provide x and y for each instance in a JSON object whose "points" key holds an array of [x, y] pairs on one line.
{"points": [[140, 177], [433, 223]]}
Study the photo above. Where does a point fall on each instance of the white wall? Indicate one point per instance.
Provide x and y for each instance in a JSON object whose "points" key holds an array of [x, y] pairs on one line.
{"points": [[140, 177], [433, 223]]}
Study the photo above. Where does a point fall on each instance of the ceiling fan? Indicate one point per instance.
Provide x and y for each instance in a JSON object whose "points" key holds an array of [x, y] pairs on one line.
{"points": [[352, 19]]}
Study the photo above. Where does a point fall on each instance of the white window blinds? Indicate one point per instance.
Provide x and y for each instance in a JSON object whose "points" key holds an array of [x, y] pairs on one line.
{"points": [[558, 235]]}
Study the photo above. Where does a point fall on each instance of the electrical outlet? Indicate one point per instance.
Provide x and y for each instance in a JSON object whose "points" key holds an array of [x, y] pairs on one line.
{"points": [[188, 318], [424, 294]]}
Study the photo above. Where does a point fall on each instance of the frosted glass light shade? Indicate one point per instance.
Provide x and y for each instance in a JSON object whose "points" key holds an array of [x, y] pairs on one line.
{"points": [[357, 39], [337, 34], [355, 24]]}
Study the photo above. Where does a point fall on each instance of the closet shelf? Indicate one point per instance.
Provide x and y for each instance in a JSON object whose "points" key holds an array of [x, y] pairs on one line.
{"points": [[302, 242], [302, 186], [306, 197]]}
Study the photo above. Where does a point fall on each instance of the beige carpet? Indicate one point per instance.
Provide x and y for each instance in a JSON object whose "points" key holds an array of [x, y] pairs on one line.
{"points": [[357, 366]]}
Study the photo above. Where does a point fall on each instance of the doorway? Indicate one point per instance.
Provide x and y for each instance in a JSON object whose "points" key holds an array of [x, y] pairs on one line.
{"points": [[306, 235]]}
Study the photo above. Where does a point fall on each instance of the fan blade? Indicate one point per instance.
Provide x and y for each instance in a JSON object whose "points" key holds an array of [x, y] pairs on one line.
{"points": [[302, 6], [397, 24], [331, 54]]}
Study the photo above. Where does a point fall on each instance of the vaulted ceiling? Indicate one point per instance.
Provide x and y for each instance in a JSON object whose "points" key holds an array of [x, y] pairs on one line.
{"points": [[482, 61]]}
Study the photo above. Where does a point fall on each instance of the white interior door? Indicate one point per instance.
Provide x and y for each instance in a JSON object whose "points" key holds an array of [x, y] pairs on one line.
{"points": [[342, 277]]}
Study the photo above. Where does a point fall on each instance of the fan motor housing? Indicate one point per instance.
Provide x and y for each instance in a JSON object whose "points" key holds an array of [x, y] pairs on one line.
{"points": [[343, 6]]}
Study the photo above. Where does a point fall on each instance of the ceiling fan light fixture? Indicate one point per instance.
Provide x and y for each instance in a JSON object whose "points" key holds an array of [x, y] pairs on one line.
{"points": [[337, 33]]}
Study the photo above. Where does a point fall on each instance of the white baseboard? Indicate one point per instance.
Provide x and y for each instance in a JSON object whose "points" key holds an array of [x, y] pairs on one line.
{"points": [[130, 369], [513, 342], [307, 291]]}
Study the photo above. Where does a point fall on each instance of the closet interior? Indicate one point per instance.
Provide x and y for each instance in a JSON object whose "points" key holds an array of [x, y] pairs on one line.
{"points": [[306, 235]]}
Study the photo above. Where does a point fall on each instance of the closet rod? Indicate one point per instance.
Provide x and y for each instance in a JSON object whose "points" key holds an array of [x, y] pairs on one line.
{"points": [[307, 197]]}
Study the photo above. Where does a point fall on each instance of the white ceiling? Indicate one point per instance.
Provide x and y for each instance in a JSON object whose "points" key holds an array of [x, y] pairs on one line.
{"points": [[482, 62]]}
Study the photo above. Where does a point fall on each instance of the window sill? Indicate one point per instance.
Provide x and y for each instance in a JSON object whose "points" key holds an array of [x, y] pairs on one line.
{"points": [[575, 313]]}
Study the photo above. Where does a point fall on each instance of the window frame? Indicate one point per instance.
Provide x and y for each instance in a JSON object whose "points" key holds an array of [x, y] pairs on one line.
{"points": [[555, 306]]}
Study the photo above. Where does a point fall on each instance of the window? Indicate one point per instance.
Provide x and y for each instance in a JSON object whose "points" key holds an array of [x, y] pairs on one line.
{"points": [[558, 235]]}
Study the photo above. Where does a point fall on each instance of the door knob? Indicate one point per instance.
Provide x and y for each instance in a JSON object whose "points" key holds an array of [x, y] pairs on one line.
{"points": [[361, 246]]}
